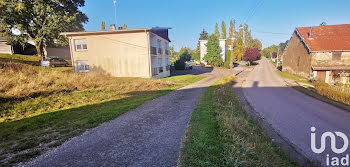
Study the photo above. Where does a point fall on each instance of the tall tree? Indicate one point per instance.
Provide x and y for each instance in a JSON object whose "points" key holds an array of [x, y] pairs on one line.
{"points": [[231, 32], [213, 56], [103, 26], [238, 45], [223, 30], [247, 36], [203, 35], [256, 44], [42, 21], [217, 32]]}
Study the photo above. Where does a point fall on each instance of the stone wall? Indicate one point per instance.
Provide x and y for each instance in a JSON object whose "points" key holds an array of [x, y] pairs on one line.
{"points": [[296, 59]]}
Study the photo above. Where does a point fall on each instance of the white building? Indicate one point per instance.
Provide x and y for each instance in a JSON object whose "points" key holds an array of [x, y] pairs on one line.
{"points": [[223, 48]]}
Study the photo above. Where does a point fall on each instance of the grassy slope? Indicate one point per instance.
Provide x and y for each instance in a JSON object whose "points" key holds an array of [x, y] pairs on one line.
{"points": [[68, 113], [221, 133]]}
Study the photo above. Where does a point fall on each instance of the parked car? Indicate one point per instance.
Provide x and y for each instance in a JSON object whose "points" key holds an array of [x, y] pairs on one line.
{"points": [[188, 65], [54, 62]]}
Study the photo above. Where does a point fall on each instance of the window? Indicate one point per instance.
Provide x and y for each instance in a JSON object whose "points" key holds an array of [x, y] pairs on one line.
{"points": [[159, 47], [80, 44], [83, 66], [154, 71], [336, 55], [160, 69], [153, 50]]}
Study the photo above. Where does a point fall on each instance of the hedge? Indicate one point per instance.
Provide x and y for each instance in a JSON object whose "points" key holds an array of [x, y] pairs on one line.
{"points": [[332, 93]]}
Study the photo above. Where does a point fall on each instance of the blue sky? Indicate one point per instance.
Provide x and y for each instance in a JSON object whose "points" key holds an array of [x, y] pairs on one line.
{"points": [[271, 21]]}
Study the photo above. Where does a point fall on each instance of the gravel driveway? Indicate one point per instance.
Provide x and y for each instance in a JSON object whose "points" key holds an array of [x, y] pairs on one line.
{"points": [[149, 135]]}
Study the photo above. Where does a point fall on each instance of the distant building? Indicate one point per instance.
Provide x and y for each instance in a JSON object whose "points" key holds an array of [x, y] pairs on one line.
{"points": [[142, 52], [320, 51], [223, 49]]}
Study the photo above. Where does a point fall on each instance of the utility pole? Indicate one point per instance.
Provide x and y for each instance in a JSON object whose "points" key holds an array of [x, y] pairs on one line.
{"points": [[115, 12]]}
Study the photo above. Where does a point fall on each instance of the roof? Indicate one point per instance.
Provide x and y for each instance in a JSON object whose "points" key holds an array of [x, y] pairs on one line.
{"points": [[326, 68], [160, 31], [326, 38]]}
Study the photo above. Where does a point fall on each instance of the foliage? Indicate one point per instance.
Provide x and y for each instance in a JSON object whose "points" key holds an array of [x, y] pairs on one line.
{"points": [[203, 35], [332, 93], [283, 45], [323, 24], [248, 39], [256, 44], [274, 55], [172, 53], [231, 33], [223, 30], [42, 21], [217, 32], [238, 45], [184, 55], [217, 123], [228, 56], [103, 26], [196, 56], [267, 51], [251, 54], [213, 56]]}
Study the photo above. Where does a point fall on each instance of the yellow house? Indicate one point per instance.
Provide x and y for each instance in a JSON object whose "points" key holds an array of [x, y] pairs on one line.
{"points": [[140, 52]]}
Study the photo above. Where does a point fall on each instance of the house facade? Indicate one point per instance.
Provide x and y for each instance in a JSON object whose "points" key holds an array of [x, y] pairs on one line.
{"points": [[223, 49], [121, 53], [321, 52]]}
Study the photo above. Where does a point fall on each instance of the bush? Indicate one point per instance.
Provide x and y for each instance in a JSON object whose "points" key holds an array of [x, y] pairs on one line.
{"points": [[180, 64], [332, 93], [227, 64]]}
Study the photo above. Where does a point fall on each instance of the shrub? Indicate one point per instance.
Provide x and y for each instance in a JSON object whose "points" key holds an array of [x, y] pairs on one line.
{"points": [[227, 64], [332, 93], [180, 64], [251, 54]]}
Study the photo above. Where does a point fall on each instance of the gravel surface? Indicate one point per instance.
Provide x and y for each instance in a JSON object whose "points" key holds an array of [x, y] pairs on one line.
{"points": [[292, 113], [149, 135]]}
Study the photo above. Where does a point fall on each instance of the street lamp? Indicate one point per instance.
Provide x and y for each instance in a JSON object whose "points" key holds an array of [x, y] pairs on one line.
{"points": [[115, 11]]}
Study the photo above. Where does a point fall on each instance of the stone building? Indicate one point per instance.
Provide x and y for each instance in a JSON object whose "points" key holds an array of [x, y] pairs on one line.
{"points": [[321, 52]]}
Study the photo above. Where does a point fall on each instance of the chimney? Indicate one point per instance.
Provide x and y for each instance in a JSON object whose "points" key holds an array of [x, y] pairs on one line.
{"points": [[112, 27], [310, 33]]}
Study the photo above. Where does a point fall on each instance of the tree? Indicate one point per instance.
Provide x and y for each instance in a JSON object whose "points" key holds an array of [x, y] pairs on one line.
{"points": [[217, 32], [124, 26], [247, 37], [103, 26], [223, 30], [323, 24], [256, 44], [42, 21], [203, 35], [185, 55], [231, 32], [213, 56], [267, 51], [251, 54], [238, 45], [283, 45]]}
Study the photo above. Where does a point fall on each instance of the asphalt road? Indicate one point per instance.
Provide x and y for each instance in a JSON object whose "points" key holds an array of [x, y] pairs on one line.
{"points": [[149, 135], [292, 113]]}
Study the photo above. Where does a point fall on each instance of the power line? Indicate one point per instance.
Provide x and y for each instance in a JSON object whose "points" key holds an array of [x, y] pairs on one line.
{"points": [[253, 10], [275, 33]]}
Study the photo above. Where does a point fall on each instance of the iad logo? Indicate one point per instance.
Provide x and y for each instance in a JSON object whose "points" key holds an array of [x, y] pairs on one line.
{"points": [[333, 142], [333, 161]]}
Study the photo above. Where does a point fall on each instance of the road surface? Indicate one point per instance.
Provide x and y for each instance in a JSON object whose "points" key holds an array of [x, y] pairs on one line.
{"points": [[149, 135], [292, 113]]}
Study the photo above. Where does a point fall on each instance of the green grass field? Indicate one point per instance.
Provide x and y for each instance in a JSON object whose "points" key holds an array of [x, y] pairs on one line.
{"points": [[40, 108], [221, 133]]}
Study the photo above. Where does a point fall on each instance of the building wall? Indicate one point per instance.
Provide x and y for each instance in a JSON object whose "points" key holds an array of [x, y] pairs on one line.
{"points": [[160, 60], [4, 48], [296, 59], [120, 55], [63, 52], [326, 59]]}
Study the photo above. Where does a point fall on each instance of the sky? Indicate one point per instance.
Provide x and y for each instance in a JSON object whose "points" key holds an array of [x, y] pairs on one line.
{"points": [[271, 21]]}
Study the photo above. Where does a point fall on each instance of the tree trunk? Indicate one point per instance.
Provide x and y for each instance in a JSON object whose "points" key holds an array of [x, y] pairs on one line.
{"points": [[39, 50]]}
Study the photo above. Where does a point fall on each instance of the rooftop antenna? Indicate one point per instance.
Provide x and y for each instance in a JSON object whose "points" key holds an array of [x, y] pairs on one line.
{"points": [[115, 11]]}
